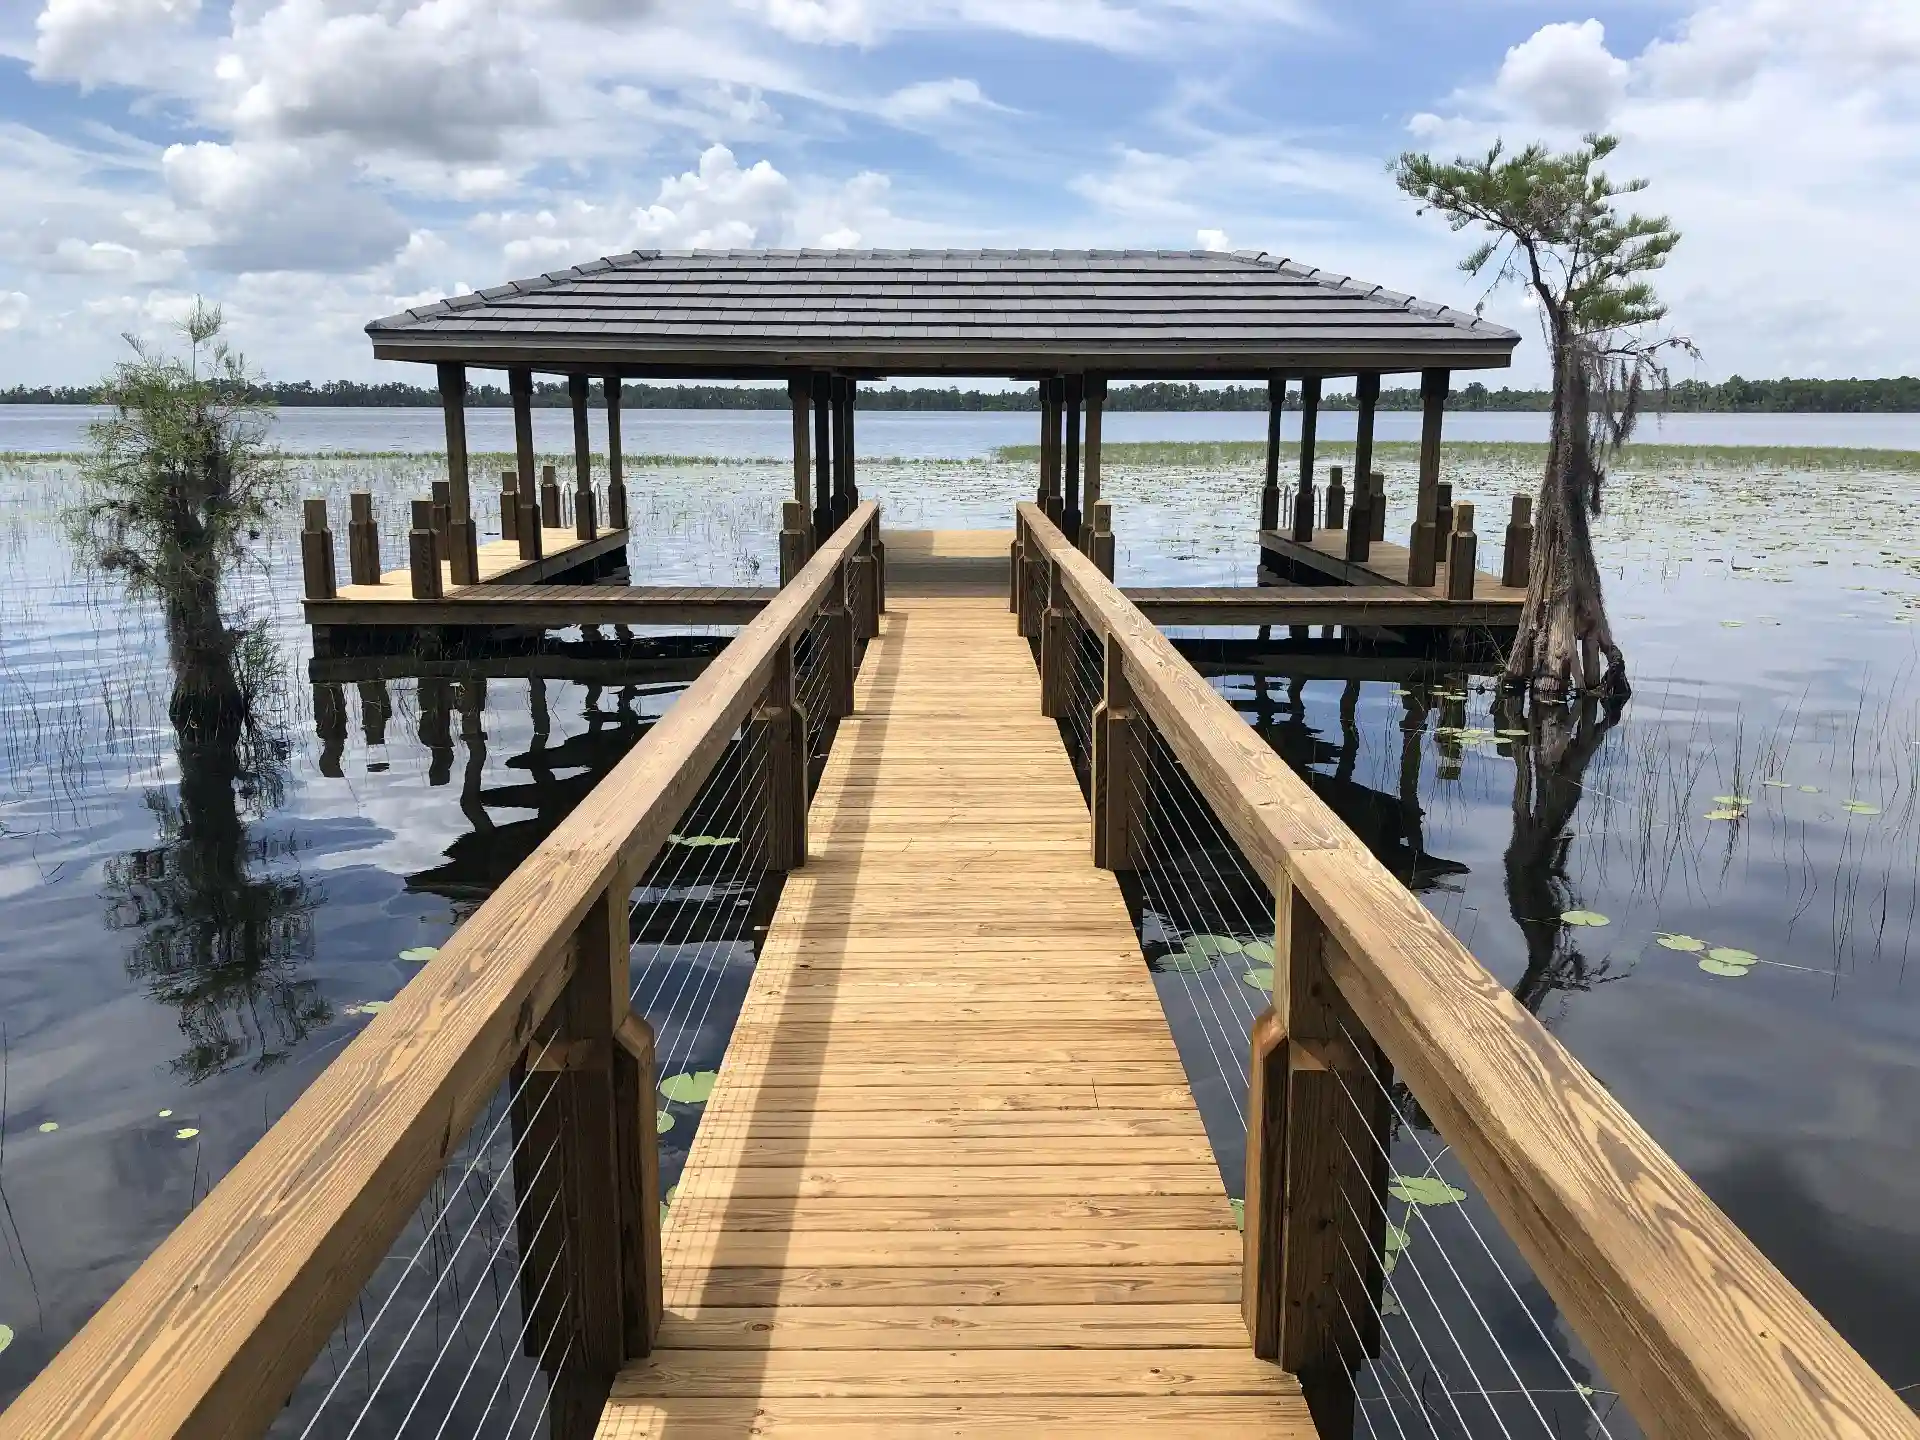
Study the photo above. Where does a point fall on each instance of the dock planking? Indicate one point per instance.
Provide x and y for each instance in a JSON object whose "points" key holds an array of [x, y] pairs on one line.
{"points": [[951, 1180]]}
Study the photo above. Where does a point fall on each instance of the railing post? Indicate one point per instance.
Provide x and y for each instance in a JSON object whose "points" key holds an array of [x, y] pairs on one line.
{"points": [[1462, 554], [363, 540], [1055, 639], [1015, 571], [879, 572], [423, 552], [1114, 764], [1100, 542], [839, 622], [782, 723], [793, 539], [1316, 1174], [316, 552], [866, 588], [1516, 564], [608, 1154]]}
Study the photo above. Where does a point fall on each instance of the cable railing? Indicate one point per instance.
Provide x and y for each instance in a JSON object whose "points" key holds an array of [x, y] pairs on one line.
{"points": [[1451, 1229], [456, 1228]]}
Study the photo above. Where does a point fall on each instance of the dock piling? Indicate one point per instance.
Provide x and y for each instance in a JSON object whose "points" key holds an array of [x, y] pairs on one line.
{"points": [[442, 492], [793, 539], [509, 507], [1377, 503], [549, 498], [1442, 521], [1336, 498], [1100, 542], [1517, 561], [423, 552], [1461, 558], [616, 472], [1309, 425], [316, 552], [1360, 520], [363, 540]]}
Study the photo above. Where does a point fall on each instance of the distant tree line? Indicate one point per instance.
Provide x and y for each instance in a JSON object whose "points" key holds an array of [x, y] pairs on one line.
{"points": [[1840, 397]]}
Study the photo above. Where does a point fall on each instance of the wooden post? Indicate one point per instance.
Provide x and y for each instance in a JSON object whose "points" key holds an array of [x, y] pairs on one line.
{"points": [[1100, 546], [1046, 441], [1270, 490], [443, 519], [1461, 560], [822, 458], [549, 498], [865, 585], [1096, 405], [1517, 563], [462, 536], [1360, 524], [1336, 498], [1075, 390], [616, 466], [879, 547], [839, 645], [793, 539], [526, 512], [1377, 491], [423, 553], [800, 400], [1442, 520], [584, 526], [1309, 425], [1424, 546], [363, 540], [1055, 643], [1015, 566], [783, 728], [1113, 764], [316, 553], [509, 506], [841, 504], [853, 447], [609, 1151]]}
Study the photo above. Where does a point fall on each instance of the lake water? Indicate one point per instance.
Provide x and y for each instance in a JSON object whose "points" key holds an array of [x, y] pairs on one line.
{"points": [[767, 434], [189, 932]]}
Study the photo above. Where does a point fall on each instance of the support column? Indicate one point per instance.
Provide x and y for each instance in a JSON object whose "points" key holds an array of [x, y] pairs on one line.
{"points": [[527, 510], [462, 536], [1424, 547], [853, 458], [1096, 404], [822, 457], [585, 524], [1360, 520], [1309, 426], [842, 506], [1112, 764], [800, 398], [616, 468], [1075, 387], [1045, 487], [1270, 491]]}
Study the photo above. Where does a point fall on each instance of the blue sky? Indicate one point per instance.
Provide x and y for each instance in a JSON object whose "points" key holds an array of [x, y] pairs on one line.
{"points": [[313, 164]]}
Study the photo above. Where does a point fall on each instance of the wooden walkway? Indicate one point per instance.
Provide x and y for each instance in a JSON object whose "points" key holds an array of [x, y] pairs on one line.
{"points": [[951, 1181]]}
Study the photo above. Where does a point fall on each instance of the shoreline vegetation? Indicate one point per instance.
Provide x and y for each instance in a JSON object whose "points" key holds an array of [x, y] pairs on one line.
{"points": [[1899, 395], [1192, 454]]}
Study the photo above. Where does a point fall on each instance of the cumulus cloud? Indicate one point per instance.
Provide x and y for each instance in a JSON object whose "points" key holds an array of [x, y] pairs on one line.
{"points": [[13, 309], [1563, 75], [1212, 240], [79, 39], [269, 206], [931, 100]]}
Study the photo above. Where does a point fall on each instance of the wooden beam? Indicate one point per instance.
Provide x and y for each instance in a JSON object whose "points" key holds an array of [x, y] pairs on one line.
{"points": [[584, 521], [212, 1333], [1424, 545], [1309, 425], [1700, 1333], [616, 461], [463, 538], [1270, 489], [526, 507], [1360, 521], [1074, 387]]}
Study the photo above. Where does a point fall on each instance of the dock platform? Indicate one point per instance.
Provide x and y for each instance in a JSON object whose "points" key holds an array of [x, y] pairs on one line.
{"points": [[951, 1180], [1324, 562]]}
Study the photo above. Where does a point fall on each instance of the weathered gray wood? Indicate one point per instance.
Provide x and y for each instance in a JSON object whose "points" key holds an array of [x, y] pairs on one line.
{"points": [[1100, 544], [1336, 498], [1517, 558], [1424, 545], [1270, 489], [527, 532], [1303, 509], [822, 458], [1096, 407], [462, 536], [549, 497], [509, 507], [316, 553], [1377, 489], [1461, 554], [363, 540], [616, 461], [1360, 534], [423, 553], [585, 525], [1075, 387]]}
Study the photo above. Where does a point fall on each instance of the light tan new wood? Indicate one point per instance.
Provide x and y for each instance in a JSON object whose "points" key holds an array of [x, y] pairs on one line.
{"points": [[210, 1335], [951, 1133], [1696, 1328]]}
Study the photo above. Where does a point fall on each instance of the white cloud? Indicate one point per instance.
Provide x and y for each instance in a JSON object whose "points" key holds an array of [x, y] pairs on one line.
{"points": [[270, 206], [13, 309], [1563, 75], [81, 39], [931, 100], [1212, 240]]}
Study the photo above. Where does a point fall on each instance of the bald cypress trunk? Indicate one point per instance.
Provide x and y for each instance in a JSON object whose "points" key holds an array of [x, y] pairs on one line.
{"points": [[1564, 644]]}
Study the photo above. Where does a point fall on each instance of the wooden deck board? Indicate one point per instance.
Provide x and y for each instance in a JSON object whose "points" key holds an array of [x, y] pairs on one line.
{"points": [[951, 1180]]}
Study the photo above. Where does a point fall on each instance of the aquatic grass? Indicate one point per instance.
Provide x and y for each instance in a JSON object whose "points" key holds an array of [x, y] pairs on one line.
{"points": [[1516, 452]]}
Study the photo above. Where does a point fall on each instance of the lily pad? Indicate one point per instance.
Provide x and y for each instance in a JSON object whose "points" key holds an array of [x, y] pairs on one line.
{"points": [[1721, 967], [1727, 955], [1809, 789], [166, 1114], [1688, 943], [420, 954], [373, 1007], [1424, 1190], [689, 1088], [1860, 807], [1260, 978], [186, 1132], [47, 1127], [6, 1336], [1583, 917], [1239, 1214], [1514, 734], [1199, 952], [1261, 950], [1732, 800], [1778, 784], [697, 840], [1726, 814], [663, 1121]]}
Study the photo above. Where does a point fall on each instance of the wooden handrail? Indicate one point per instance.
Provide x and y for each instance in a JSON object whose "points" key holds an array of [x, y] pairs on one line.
{"points": [[212, 1334], [1697, 1329]]}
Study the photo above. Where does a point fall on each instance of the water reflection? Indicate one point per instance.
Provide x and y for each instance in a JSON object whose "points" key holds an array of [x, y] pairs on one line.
{"points": [[221, 917]]}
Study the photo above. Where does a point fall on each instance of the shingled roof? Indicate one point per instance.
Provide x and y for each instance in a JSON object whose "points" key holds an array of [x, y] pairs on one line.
{"points": [[745, 313]]}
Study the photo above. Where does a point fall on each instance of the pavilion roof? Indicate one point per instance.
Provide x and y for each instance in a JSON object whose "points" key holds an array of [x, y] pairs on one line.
{"points": [[1142, 313]]}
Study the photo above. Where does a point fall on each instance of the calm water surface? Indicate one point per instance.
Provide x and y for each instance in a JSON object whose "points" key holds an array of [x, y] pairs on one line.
{"points": [[189, 930]]}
